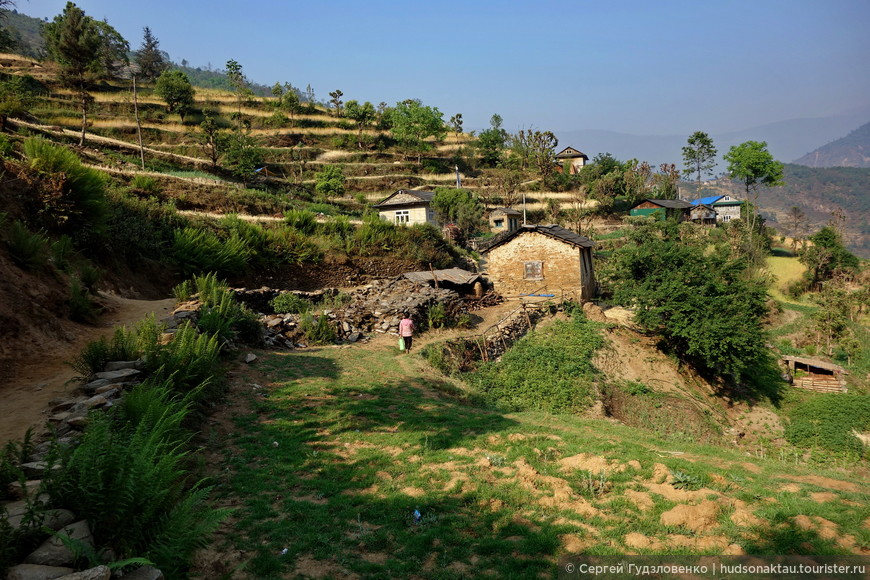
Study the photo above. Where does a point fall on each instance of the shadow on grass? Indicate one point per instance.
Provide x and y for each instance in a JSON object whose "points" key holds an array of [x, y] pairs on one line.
{"points": [[352, 476]]}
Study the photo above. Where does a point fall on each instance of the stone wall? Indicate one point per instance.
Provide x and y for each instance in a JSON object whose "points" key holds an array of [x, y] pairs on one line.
{"points": [[560, 268]]}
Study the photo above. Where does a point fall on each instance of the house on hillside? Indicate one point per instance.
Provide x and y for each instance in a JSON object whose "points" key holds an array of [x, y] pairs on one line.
{"points": [[662, 209], [504, 219], [574, 159], [727, 208], [540, 260], [408, 207]]}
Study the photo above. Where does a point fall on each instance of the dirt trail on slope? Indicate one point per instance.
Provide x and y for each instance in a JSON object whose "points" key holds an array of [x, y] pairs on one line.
{"points": [[33, 380]]}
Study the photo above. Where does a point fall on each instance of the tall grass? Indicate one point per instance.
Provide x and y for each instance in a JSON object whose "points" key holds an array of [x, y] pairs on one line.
{"points": [[28, 249], [200, 250], [78, 203]]}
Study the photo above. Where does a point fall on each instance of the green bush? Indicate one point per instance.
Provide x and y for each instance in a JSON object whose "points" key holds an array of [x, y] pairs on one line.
{"points": [[93, 358], [81, 308], [317, 331], [302, 220], [130, 483], [78, 203], [190, 359], [27, 249], [548, 370], [294, 247], [145, 184], [330, 181], [827, 421], [199, 250], [62, 251], [289, 303]]}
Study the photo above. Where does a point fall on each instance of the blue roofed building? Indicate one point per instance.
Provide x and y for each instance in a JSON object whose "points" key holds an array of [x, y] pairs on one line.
{"points": [[727, 208]]}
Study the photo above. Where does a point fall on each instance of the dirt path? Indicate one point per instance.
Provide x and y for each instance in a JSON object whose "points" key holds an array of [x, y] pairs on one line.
{"points": [[34, 380]]}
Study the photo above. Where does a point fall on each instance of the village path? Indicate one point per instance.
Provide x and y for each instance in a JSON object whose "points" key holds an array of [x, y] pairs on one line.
{"points": [[33, 380]]}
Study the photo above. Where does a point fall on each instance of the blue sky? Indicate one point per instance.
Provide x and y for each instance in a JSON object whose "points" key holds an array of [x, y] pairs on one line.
{"points": [[641, 67]]}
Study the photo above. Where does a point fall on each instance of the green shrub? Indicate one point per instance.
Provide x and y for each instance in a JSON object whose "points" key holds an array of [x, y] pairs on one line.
{"points": [[132, 486], [189, 359], [183, 291], [548, 370], [199, 250], [301, 220], [78, 204], [436, 316], [373, 237], [93, 358], [330, 181], [294, 247], [89, 275], [81, 308], [145, 184], [62, 251], [289, 303], [317, 331], [28, 249], [827, 421], [7, 148]]}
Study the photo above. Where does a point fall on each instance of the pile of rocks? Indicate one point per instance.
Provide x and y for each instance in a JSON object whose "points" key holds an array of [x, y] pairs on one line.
{"points": [[374, 308], [29, 511]]}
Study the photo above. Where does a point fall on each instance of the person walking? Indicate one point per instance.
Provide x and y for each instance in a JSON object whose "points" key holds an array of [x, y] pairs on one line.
{"points": [[406, 331]]}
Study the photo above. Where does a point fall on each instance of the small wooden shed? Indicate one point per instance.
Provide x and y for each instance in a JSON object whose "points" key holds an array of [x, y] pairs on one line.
{"points": [[816, 375]]}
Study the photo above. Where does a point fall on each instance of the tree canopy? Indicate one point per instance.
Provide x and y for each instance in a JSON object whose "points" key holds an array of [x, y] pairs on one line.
{"points": [[459, 207], [753, 165], [698, 299], [174, 87], [699, 156], [412, 123], [151, 60]]}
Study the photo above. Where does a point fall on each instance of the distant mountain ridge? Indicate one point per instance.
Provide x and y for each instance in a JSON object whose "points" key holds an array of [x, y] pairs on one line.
{"points": [[853, 150], [786, 140]]}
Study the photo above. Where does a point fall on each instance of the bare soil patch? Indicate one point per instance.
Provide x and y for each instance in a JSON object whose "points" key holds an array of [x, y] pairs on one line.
{"points": [[37, 371]]}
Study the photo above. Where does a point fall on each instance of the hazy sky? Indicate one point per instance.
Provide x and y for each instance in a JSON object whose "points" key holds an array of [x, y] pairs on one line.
{"points": [[642, 67]]}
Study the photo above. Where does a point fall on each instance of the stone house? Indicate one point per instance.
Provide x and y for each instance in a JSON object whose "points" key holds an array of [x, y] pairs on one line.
{"points": [[408, 207], [504, 219], [575, 159], [540, 260]]}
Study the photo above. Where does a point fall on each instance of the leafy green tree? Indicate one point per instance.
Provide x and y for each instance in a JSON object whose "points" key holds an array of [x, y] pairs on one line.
{"points": [[17, 96], [699, 156], [151, 60], [826, 256], [412, 123], [241, 154], [174, 87], [73, 40], [330, 181], [113, 50], [459, 207], [753, 165], [700, 302], [456, 124], [363, 115], [336, 101], [491, 142], [241, 87], [211, 137]]}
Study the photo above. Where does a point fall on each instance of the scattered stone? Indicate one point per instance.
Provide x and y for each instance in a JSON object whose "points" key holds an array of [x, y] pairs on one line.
{"points": [[250, 357], [144, 573], [53, 552], [119, 365], [37, 572], [118, 375], [98, 573]]}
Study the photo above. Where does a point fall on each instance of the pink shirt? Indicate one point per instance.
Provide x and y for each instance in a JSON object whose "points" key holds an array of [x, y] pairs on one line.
{"points": [[406, 327]]}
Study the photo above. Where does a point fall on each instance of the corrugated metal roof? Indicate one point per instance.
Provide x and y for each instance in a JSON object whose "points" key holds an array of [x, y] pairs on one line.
{"points": [[454, 275], [814, 362], [670, 203], [505, 211], [419, 194], [551, 230], [709, 200]]}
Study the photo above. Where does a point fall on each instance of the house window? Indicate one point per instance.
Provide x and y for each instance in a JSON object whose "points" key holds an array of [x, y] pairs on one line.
{"points": [[533, 271], [403, 216], [498, 223], [726, 218]]}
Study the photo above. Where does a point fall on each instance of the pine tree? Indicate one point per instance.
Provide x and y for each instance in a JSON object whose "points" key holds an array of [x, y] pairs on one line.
{"points": [[151, 60]]}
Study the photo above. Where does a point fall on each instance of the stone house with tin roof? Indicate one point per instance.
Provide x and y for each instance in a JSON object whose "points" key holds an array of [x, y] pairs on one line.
{"points": [[540, 260]]}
